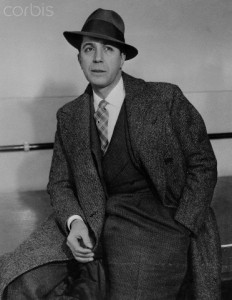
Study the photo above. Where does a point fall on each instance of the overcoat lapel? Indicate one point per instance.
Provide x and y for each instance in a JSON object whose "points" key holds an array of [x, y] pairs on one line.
{"points": [[95, 142], [76, 135], [146, 129]]}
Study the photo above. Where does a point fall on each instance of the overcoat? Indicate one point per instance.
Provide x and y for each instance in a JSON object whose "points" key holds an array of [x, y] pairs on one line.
{"points": [[169, 140]]}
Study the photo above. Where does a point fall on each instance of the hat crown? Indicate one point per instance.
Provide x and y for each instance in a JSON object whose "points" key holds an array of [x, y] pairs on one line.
{"points": [[109, 16]]}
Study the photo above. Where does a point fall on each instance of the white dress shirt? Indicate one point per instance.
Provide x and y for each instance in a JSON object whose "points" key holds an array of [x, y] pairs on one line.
{"points": [[115, 100]]}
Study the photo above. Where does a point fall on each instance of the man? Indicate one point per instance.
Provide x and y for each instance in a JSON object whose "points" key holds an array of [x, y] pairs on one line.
{"points": [[133, 172]]}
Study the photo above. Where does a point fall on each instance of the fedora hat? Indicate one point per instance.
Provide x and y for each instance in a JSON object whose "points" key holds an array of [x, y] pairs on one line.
{"points": [[103, 24]]}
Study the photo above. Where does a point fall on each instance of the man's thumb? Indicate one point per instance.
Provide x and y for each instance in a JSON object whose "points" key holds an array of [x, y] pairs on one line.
{"points": [[87, 242]]}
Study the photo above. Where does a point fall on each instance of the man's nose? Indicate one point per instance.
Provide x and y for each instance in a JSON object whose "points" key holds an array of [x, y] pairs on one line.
{"points": [[98, 55]]}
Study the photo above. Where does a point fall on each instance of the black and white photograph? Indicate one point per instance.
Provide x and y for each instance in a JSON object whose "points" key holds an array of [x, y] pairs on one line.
{"points": [[116, 150]]}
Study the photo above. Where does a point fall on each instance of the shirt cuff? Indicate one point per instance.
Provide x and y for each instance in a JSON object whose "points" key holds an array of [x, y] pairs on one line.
{"points": [[71, 219]]}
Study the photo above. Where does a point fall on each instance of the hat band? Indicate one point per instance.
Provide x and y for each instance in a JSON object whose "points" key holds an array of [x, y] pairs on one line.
{"points": [[104, 28]]}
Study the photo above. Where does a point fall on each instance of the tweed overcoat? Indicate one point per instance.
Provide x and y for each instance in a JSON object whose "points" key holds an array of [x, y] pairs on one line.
{"points": [[169, 141]]}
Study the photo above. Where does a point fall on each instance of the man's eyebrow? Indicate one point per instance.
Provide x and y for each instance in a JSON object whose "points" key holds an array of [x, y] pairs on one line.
{"points": [[87, 44]]}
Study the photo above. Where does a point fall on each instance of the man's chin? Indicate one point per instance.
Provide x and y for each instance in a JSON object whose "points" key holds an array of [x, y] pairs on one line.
{"points": [[99, 83]]}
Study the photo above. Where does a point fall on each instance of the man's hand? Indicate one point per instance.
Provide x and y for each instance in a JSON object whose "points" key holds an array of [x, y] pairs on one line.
{"points": [[80, 242]]}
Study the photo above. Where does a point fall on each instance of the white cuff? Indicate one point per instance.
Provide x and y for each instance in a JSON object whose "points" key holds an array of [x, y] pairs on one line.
{"points": [[71, 219]]}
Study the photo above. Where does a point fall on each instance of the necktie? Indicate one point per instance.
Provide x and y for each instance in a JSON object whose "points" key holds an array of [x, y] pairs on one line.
{"points": [[102, 116]]}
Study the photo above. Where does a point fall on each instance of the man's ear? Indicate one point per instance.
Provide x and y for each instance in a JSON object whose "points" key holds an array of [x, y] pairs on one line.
{"points": [[123, 58], [79, 59]]}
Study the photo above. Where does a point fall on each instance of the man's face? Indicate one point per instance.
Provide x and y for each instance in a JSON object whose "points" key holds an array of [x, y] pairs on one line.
{"points": [[101, 63]]}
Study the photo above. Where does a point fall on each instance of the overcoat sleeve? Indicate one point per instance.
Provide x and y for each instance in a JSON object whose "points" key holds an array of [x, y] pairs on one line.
{"points": [[201, 165], [61, 185]]}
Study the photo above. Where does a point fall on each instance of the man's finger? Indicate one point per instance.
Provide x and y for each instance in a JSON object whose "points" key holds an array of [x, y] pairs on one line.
{"points": [[86, 242], [75, 246], [83, 260], [88, 255]]}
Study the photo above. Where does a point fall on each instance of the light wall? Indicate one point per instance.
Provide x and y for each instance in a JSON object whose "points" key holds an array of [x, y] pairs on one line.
{"points": [[186, 42]]}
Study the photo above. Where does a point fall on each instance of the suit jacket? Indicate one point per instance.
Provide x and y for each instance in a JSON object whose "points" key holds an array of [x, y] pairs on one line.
{"points": [[169, 140]]}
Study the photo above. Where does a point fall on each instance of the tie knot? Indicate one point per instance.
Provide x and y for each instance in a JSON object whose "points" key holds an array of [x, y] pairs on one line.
{"points": [[103, 104]]}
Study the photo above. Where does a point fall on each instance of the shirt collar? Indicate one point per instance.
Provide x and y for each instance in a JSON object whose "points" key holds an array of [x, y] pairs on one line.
{"points": [[115, 97]]}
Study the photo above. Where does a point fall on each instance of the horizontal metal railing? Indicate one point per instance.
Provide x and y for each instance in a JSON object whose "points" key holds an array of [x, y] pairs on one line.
{"points": [[217, 136], [47, 146], [26, 147]]}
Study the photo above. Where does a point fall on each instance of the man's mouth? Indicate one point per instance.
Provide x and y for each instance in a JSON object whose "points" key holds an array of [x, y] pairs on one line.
{"points": [[98, 71]]}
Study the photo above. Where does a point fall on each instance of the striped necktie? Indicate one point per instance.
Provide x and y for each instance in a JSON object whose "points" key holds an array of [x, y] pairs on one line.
{"points": [[101, 117]]}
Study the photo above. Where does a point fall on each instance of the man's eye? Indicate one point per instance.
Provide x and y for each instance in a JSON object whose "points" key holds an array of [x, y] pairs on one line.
{"points": [[108, 49], [88, 49]]}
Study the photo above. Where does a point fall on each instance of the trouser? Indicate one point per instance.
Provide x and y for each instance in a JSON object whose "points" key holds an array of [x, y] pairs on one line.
{"points": [[146, 250]]}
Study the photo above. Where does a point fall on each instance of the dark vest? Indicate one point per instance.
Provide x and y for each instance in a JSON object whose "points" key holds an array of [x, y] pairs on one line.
{"points": [[117, 168]]}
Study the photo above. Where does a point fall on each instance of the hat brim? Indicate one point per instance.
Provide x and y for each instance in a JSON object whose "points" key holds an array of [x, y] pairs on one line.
{"points": [[75, 39]]}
